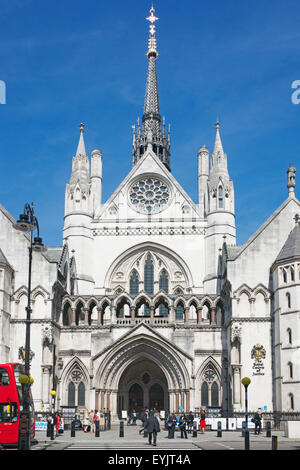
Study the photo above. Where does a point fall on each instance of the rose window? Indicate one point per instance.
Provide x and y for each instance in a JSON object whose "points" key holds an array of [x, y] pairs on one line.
{"points": [[149, 195]]}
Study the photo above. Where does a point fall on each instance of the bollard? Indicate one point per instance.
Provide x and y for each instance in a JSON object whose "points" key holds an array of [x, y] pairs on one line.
{"points": [[268, 433], [97, 429], [274, 443], [219, 432], [195, 429], [121, 429], [73, 429]]}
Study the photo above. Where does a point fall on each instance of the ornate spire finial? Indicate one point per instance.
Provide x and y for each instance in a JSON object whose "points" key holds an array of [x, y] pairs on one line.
{"points": [[152, 40], [291, 172]]}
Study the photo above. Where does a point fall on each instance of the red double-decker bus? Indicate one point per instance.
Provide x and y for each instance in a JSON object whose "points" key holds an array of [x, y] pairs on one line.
{"points": [[11, 404]]}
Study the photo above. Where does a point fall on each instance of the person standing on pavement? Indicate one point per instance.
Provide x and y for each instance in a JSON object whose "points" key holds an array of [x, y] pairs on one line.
{"points": [[190, 421], [257, 422], [57, 423], [171, 424], [153, 427], [202, 420], [85, 422], [91, 421], [183, 425]]}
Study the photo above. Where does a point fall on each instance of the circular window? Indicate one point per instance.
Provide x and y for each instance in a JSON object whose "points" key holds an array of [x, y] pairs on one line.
{"points": [[149, 195]]}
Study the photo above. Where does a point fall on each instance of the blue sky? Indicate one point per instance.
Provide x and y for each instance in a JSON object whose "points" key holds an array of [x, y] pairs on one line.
{"points": [[66, 62]]}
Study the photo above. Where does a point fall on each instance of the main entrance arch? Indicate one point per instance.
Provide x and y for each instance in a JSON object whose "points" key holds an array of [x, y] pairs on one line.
{"points": [[143, 361], [142, 385]]}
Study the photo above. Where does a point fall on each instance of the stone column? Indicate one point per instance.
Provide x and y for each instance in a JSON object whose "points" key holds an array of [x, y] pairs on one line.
{"points": [[186, 315], [199, 315], [187, 401], [99, 318], [151, 314], [132, 314], [176, 401], [113, 314], [86, 316], [236, 385], [46, 375], [172, 314], [213, 316], [73, 322]]}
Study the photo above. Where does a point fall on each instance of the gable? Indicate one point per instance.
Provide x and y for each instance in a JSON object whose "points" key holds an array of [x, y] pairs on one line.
{"points": [[125, 203], [252, 263]]}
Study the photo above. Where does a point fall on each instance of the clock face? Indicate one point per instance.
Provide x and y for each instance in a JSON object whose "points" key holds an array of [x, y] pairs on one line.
{"points": [[149, 195]]}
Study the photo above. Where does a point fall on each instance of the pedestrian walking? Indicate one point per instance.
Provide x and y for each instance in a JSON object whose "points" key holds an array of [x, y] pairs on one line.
{"points": [[171, 425], [153, 427], [144, 417], [56, 423], [257, 422], [202, 420], [85, 422], [91, 421], [183, 426]]}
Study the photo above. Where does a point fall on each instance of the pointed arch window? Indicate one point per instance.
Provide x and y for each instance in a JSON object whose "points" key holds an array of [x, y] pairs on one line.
{"points": [[290, 368], [289, 334], [215, 395], [164, 285], [71, 394], [220, 197], [76, 388], [291, 398], [149, 275], [81, 394], [204, 394], [179, 311], [288, 300], [134, 283]]}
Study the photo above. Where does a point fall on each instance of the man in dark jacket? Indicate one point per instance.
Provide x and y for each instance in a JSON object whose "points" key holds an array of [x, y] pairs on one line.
{"points": [[144, 417], [153, 427], [190, 421]]}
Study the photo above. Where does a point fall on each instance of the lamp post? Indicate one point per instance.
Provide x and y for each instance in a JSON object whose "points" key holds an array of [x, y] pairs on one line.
{"points": [[28, 223], [246, 382], [53, 395]]}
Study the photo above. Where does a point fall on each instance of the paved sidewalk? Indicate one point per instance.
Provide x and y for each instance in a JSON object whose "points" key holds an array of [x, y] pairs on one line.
{"points": [[132, 440]]}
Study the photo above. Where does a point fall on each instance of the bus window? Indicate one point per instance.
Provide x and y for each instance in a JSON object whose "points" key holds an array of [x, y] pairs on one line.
{"points": [[8, 412], [18, 370], [4, 379]]}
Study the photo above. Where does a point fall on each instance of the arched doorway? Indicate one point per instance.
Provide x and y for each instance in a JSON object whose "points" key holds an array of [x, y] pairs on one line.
{"points": [[156, 397], [142, 385], [135, 398]]}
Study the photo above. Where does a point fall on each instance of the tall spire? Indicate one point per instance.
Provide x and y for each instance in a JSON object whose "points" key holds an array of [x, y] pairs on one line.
{"points": [[81, 147], [218, 151], [152, 132]]}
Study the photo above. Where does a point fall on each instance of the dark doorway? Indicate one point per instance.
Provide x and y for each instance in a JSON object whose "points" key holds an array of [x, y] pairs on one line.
{"points": [[156, 397], [136, 397]]}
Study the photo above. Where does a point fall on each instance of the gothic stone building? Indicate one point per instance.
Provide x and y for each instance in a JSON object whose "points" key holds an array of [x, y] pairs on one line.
{"points": [[149, 301]]}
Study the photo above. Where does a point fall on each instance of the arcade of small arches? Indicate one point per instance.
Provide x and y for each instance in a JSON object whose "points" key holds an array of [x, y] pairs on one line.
{"points": [[126, 309]]}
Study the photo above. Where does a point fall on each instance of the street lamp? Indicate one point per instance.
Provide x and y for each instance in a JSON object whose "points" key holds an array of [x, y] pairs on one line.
{"points": [[246, 382], [53, 395], [28, 223]]}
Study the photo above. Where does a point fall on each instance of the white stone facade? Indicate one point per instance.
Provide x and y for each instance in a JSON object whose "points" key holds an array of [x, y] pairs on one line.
{"points": [[149, 302]]}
